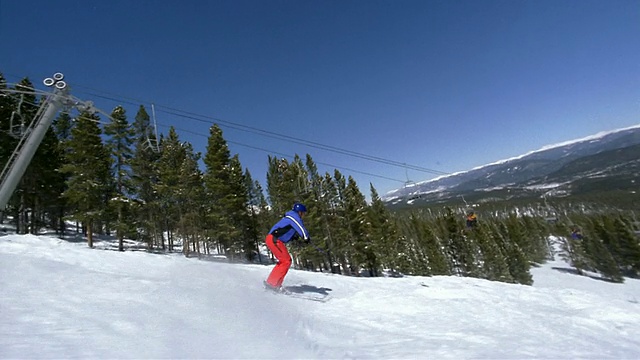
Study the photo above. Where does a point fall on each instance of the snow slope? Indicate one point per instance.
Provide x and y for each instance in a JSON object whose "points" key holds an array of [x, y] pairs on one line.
{"points": [[60, 299]]}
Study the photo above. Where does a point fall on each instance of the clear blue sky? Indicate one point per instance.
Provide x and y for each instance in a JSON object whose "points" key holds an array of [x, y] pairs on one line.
{"points": [[444, 85]]}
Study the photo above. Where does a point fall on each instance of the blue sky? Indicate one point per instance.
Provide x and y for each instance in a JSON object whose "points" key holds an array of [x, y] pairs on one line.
{"points": [[443, 85]]}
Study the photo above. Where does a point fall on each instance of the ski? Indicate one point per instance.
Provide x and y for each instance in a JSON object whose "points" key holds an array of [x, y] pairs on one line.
{"points": [[312, 297]]}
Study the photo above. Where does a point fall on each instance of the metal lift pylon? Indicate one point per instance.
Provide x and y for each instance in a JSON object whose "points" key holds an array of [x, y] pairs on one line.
{"points": [[32, 137]]}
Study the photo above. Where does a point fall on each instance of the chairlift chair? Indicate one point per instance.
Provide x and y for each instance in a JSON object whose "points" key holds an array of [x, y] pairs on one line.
{"points": [[16, 128]]}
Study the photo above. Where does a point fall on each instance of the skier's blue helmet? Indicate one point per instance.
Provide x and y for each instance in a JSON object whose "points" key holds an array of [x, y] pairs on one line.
{"points": [[297, 207]]}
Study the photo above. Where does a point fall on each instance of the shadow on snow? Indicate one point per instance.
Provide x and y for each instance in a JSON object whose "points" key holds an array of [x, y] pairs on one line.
{"points": [[576, 272], [301, 289]]}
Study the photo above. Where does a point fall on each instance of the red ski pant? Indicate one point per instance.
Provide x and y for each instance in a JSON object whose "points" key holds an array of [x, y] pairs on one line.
{"points": [[279, 250]]}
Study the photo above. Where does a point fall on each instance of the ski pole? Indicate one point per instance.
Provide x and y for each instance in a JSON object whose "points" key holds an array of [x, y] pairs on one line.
{"points": [[317, 248]]}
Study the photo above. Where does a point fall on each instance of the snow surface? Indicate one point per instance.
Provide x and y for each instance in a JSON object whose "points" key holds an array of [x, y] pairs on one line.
{"points": [[60, 299]]}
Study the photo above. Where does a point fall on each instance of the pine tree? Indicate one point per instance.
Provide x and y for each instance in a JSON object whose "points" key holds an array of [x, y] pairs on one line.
{"points": [[7, 142], [301, 184], [494, 263], [144, 178], [433, 250], [62, 126], [6, 108], [167, 187], [384, 233], [227, 194], [516, 258], [191, 201], [345, 245], [538, 250], [516, 233], [332, 227], [306, 256], [120, 141], [87, 164], [408, 259], [459, 247], [574, 253], [628, 246], [26, 107], [598, 245], [356, 212], [48, 182], [282, 185], [424, 249], [318, 220], [258, 212], [275, 184], [236, 203]]}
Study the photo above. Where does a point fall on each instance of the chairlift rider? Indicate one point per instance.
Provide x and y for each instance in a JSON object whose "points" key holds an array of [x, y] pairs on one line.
{"points": [[472, 219]]}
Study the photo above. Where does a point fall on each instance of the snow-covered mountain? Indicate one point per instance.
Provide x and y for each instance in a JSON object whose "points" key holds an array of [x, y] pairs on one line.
{"points": [[608, 154]]}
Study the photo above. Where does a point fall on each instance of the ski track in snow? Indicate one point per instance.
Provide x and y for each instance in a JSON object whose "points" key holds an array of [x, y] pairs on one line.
{"points": [[63, 300]]}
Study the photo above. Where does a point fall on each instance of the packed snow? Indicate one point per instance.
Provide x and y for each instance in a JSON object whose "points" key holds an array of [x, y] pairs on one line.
{"points": [[60, 299]]}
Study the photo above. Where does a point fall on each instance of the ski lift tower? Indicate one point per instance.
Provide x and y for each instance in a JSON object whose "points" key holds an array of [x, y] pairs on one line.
{"points": [[33, 135], [409, 186], [551, 217]]}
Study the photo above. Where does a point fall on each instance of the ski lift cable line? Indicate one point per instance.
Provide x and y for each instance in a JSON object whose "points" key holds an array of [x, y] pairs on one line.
{"points": [[240, 144], [288, 156], [309, 143], [233, 142], [46, 94], [78, 116], [212, 120], [26, 91]]}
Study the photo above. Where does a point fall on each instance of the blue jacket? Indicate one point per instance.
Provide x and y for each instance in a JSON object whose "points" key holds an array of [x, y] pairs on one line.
{"points": [[289, 228]]}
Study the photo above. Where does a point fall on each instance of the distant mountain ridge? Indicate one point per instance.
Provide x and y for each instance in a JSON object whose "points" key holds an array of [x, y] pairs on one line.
{"points": [[613, 155]]}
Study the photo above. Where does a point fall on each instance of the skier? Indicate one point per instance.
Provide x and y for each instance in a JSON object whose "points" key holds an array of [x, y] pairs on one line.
{"points": [[290, 227], [576, 233], [472, 219]]}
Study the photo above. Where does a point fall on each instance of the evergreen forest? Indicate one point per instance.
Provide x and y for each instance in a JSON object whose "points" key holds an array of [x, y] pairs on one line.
{"points": [[111, 175]]}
